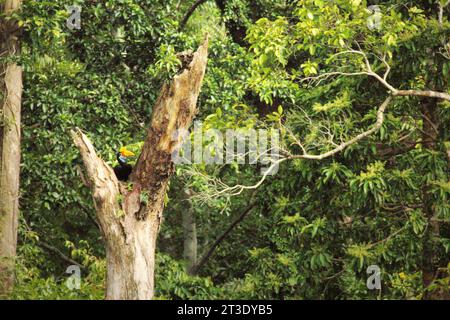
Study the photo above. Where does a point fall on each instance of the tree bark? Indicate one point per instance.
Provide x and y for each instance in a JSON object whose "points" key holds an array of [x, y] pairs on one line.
{"points": [[130, 214], [10, 105]]}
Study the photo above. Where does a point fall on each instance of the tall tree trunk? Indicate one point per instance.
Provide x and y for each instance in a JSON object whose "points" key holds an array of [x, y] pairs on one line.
{"points": [[190, 235], [10, 103], [130, 214]]}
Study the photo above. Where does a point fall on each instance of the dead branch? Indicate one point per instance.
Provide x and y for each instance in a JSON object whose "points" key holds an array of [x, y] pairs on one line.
{"points": [[61, 255]]}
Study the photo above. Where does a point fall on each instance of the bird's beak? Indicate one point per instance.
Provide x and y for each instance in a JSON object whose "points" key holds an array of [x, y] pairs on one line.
{"points": [[126, 153]]}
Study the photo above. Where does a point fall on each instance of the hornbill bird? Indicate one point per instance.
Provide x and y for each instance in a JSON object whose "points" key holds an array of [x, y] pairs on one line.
{"points": [[123, 170]]}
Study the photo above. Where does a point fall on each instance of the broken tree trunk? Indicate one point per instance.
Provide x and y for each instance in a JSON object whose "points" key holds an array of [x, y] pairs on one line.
{"points": [[10, 105], [130, 214]]}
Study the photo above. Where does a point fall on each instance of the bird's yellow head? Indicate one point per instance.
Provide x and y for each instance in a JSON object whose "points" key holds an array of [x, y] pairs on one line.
{"points": [[125, 152]]}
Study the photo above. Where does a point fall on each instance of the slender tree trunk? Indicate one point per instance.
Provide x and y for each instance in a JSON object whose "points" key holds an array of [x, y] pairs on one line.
{"points": [[130, 214], [190, 236], [10, 103], [430, 261]]}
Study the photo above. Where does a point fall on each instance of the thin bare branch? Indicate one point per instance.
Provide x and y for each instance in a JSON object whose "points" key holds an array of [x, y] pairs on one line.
{"points": [[342, 146], [423, 93], [190, 12], [222, 237], [238, 189]]}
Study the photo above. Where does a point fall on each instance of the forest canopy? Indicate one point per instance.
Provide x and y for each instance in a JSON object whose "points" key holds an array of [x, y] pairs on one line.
{"points": [[351, 96]]}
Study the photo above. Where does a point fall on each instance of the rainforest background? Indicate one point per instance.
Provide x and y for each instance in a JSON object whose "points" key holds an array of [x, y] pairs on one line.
{"points": [[308, 232]]}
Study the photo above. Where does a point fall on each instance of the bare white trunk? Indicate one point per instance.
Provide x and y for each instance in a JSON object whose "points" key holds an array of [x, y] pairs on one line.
{"points": [[131, 266]]}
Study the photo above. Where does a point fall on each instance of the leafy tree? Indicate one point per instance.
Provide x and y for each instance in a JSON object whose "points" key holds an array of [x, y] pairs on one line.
{"points": [[322, 73]]}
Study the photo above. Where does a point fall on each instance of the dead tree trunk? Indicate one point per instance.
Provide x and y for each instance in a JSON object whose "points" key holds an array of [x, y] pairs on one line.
{"points": [[10, 104], [130, 214]]}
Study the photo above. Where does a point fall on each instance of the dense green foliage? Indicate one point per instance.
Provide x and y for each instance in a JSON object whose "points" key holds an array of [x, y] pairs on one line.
{"points": [[316, 225]]}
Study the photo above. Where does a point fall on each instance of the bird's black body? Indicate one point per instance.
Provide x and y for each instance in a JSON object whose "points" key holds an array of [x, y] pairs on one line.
{"points": [[123, 170]]}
